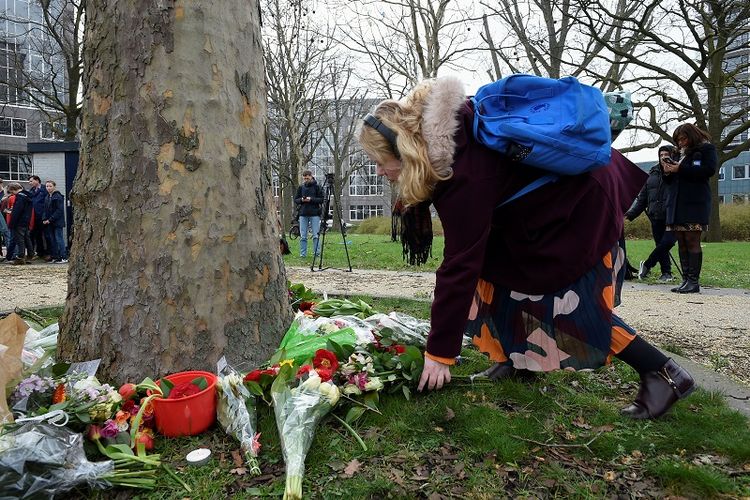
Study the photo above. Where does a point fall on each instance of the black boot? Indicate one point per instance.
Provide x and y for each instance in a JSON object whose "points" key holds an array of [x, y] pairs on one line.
{"points": [[659, 391], [684, 268], [695, 262]]}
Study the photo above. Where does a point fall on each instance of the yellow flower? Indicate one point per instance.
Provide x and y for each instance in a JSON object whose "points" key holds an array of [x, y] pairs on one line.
{"points": [[286, 362]]}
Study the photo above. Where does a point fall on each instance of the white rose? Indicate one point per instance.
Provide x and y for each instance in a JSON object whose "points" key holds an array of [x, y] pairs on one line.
{"points": [[374, 384], [331, 391], [312, 383], [351, 390]]}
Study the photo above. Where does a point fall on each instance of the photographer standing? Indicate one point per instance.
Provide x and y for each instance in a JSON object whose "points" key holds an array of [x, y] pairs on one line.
{"points": [[309, 199], [653, 199]]}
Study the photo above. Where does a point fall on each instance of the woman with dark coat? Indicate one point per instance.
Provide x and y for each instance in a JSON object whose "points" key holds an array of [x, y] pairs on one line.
{"points": [[653, 199], [689, 199], [535, 281]]}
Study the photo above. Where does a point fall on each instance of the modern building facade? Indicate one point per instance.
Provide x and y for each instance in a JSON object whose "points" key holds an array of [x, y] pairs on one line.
{"points": [[23, 57]]}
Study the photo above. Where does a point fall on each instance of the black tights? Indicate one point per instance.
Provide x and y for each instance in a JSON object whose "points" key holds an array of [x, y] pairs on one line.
{"points": [[689, 241], [642, 356]]}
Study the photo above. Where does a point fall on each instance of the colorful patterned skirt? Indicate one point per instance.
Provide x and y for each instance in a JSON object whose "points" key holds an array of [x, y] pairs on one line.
{"points": [[574, 328], [688, 226]]}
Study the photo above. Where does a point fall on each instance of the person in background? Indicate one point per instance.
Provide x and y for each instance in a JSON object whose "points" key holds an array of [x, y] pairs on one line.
{"points": [[689, 199], [652, 199], [4, 231], [534, 281], [21, 220], [38, 195], [54, 222], [309, 199]]}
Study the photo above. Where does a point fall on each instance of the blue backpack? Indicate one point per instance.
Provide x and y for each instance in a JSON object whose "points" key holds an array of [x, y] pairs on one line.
{"points": [[562, 126]]}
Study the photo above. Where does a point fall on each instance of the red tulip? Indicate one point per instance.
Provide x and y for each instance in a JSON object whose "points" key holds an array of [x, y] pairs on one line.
{"points": [[127, 391], [146, 437]]}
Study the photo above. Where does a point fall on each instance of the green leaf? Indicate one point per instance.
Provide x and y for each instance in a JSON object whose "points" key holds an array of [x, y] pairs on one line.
{"points": [[83, 416], [201, 382], [254, 388], [166, 387], [406, 391], [59, 369], [354, 413], [371, 400]]}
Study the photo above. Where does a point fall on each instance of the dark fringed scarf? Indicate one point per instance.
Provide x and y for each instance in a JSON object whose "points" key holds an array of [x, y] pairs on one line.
{"points": [[416, 231]]}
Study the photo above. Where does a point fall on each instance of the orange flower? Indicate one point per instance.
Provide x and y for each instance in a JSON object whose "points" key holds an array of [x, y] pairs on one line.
{"points": [[59, 395]]}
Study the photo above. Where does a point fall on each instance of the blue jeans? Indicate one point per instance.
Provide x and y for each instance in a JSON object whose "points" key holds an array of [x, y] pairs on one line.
{"points": [[314, 222], [55, 242], [5, 232]]}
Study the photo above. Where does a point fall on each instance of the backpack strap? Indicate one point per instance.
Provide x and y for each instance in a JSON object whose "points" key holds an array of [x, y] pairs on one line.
{"points": [[546, 179]]}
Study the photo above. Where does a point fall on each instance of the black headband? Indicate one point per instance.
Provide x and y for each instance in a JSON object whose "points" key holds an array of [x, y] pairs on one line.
{"points": [[386, 132]]}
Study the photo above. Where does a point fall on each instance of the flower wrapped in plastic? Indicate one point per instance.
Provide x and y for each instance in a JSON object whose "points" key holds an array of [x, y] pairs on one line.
{"points": [[300, 403], [236, 413], [306, 335]]}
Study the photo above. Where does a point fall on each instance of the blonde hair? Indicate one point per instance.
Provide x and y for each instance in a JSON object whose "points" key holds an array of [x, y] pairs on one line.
{"points": [[418, 176]]}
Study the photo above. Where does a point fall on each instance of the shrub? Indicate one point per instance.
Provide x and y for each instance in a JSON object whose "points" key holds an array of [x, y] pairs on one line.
{"points": [[382, 225], [735, 221]]}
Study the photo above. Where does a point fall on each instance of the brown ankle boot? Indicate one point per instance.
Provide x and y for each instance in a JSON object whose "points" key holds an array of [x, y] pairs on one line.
{"points": [[659, 391]]}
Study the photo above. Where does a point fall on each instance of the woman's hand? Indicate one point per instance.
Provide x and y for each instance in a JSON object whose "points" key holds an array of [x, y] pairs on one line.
{"points": [[434, 375]]}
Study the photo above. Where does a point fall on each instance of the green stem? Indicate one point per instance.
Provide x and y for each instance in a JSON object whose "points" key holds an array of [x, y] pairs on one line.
{"points": [[353, 432], [361, 404], [176, 478]]}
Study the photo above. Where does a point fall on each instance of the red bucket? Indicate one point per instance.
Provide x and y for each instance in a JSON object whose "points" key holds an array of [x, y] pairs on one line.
{"points": [[190, 415]]}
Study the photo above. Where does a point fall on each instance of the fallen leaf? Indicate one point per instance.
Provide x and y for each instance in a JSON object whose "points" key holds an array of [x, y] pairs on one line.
{"points": [[604, 428], [449, 414], [240, 471], [237, 458], [610, 476], [439, 429], [352, 468]]}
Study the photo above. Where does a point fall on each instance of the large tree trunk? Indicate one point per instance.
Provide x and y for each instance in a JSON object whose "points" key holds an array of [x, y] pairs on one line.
{"points": [[174, 260]]}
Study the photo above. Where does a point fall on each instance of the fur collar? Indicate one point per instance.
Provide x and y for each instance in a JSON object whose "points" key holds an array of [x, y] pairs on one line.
{"points": [[440, 120]]}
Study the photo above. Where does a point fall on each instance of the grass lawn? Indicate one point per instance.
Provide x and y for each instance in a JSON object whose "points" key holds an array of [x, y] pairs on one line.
{"points": [[558, 436], [724, 264]]}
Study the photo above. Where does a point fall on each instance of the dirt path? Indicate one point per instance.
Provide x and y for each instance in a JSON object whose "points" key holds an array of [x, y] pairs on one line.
{"points": [[712, 328]]}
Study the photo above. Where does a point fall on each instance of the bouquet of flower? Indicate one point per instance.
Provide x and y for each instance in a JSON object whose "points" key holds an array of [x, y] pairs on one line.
{"points": [[236, 413], [304, 337], [301, 398]]}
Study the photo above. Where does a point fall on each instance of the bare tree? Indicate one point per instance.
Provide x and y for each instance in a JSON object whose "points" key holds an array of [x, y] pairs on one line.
{"points": [[544, 38], [47, 62], [405, 41], [691, 65], [346, 108], [175, 259], [297, 56]]}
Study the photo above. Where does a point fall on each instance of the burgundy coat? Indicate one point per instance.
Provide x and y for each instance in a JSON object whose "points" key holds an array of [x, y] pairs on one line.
{"points": [[536, 244]]}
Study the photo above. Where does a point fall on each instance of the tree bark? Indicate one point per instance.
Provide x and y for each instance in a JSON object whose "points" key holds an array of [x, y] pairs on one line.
{"points": [[174, 260]]}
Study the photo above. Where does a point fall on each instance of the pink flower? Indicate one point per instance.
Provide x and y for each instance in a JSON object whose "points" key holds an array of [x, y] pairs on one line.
{"points": [[255, 446], [359, 379], [109, 429]]}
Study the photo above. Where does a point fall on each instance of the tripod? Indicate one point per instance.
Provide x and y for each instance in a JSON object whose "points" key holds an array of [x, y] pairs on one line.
{"points": [[329, 194]]}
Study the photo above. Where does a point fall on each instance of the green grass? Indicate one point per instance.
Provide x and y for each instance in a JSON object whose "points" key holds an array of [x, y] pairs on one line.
{"points": [[557, 436], [724, 264]]}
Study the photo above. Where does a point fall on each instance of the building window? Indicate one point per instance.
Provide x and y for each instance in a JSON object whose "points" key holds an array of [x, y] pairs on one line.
{"points": [[51, 131], [721, 173], [740, 172], [362, 212], [721, 199], [12, 64], [366, 182], [15, 127], [276, 185], [15, 166], [739, 198]]}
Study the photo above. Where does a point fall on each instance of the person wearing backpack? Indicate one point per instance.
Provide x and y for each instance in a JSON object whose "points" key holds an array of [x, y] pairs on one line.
{"points": [[533, 281], [689, 199], [653, 199]]}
